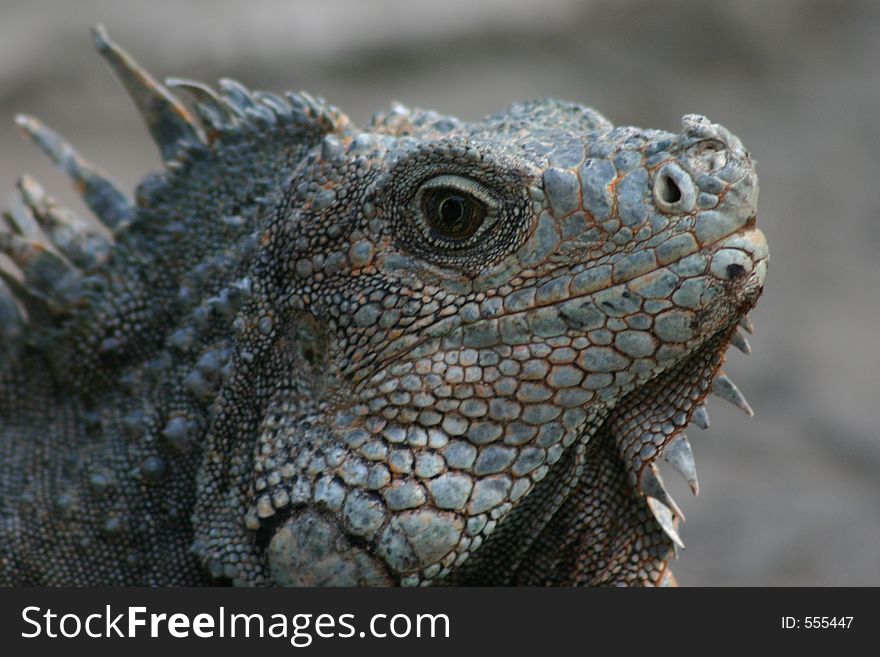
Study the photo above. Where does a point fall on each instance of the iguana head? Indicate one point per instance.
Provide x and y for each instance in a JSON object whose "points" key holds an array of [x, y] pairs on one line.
{"points": [[425, 316], [471, 301]]}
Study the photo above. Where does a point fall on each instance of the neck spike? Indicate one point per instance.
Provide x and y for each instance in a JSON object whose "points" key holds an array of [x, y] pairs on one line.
{"points": [[168, 121]]}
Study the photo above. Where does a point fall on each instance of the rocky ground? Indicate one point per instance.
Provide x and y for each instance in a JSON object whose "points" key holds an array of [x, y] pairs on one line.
{"points": [[791, 497]]}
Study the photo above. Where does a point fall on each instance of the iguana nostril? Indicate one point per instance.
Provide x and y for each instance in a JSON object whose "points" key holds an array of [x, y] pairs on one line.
{"points": [[668, 190], [674, 190], [735, 271]]}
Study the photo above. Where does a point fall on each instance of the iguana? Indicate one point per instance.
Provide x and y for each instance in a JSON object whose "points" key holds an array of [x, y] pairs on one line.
{"points": [[421, 352]]}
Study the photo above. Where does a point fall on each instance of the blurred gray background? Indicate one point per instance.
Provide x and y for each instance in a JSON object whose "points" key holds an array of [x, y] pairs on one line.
{"points": [[791, 497]]}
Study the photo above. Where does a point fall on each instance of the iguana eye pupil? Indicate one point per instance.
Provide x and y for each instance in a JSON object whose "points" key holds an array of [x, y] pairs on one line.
{"points": [[452, 210], [451, 214]]}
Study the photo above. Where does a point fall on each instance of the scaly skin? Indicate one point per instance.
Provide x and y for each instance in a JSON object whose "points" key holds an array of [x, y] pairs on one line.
{"points": [[426, 351]]}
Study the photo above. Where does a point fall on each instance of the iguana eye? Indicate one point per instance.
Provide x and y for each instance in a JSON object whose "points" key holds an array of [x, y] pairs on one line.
{"points": [[453, 208], [451, 214]]}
